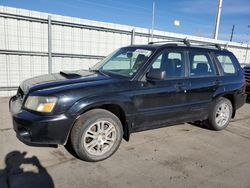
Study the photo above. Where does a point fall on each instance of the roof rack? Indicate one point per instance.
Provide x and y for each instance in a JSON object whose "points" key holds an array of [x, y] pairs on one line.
{"points": [[188, 43], [218, 46], [185, 41]]}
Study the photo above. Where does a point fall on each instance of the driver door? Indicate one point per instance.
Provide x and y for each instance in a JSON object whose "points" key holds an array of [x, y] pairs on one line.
{"points": [[161, 102]]}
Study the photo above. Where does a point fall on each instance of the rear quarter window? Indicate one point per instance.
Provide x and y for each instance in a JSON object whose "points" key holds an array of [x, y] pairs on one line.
{"points": [[226, 63]]}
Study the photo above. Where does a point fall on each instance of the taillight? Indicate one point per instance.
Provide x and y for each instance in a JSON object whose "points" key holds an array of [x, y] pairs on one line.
{"points": [[245, 86]]}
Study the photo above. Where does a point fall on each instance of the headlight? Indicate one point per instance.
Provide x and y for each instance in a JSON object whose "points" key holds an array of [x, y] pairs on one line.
{"points": [[40, 104]]}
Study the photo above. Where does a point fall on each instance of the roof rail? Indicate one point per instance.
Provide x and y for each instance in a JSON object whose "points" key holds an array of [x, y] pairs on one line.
{"points": [[218, 46], [185, 41], [188, 43]]}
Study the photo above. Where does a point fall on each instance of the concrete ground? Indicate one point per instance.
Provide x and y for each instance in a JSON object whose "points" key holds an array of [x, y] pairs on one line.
{"points": [[177, 156]]}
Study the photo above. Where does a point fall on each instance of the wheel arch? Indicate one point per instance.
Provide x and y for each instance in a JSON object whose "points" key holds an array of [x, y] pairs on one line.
{"points": [[119, 112], [231, 98], [117, 107]]}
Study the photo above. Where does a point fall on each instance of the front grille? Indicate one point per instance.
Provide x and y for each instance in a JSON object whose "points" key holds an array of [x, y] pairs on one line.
{"points": [[247, 73]]}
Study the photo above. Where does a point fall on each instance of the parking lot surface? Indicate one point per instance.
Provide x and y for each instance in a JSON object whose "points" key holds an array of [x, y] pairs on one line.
{"points": [[176, 156]]}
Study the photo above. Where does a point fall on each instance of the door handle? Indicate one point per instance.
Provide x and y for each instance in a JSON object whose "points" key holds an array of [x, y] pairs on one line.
{"points": [[181, 86]]}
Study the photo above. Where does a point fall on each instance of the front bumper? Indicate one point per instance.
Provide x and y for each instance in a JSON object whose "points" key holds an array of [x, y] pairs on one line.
{"points": [[36, 129]]}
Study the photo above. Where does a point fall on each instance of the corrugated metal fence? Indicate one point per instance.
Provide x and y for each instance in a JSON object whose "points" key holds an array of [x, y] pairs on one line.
{"points": [[34, 43]]}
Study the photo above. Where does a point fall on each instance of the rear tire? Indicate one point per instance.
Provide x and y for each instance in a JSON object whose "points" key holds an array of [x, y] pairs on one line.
{"points": [[96, 135], [221, 114]]}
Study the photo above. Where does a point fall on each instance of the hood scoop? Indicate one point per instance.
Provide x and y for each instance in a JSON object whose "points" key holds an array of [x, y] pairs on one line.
{"points": [[70, 75]]}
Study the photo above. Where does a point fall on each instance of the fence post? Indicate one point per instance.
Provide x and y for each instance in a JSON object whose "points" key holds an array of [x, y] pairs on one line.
{"points": [[49, 46], [132, 36], [246, 53], [149, 34]]}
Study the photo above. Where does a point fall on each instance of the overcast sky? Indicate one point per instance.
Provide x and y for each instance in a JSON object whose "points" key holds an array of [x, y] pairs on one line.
{"points": [[197, 16]]}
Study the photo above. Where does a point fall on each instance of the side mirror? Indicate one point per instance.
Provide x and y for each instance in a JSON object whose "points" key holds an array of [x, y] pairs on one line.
{"points": [[154, 75]]}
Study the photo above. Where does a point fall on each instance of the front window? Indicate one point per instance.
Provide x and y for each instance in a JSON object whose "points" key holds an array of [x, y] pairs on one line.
{"points": [[172, 62], [125, 62]]}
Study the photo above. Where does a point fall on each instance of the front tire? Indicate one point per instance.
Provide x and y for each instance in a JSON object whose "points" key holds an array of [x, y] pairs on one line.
{"points": [[96, 135], [220, 115]]}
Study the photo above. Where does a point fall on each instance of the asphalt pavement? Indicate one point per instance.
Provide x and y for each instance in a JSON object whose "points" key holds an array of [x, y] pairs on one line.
{"points": [[178, 156]]}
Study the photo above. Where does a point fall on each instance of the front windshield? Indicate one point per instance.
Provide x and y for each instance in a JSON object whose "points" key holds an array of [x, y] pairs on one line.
{"points": [[125, 62]]}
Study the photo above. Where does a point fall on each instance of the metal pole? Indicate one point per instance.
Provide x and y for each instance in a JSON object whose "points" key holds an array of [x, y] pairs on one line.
{"points": [[132, 36], [153, 21], [49, 46], [149, 35], [232, 34], [217, 20]]}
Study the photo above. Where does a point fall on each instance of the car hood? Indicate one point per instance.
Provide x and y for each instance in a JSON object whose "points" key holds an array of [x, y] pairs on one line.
{"points": [[60, 79]]}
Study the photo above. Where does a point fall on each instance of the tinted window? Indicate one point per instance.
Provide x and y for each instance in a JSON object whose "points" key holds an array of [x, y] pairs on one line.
{"points": [[157, 63], [200, 64], [172, 63], [226, 64]]}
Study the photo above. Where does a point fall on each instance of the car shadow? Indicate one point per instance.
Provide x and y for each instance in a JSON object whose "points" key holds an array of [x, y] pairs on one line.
{"points": [[199, 125], [248, 101], [21, 171]]}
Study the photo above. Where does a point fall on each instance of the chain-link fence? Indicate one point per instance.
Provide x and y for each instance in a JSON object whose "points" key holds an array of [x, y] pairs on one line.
{"points": [[34, 43]]}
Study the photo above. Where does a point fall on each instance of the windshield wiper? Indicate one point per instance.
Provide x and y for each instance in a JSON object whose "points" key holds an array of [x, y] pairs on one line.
{"points": [[97, 71], [94, 70]]}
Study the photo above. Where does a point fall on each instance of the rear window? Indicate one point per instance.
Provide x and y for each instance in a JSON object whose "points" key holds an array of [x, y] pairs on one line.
{"points": [[226, 64]]}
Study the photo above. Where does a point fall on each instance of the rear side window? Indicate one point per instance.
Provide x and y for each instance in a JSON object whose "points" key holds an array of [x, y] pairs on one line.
{"points": [[226, 64], [200, 64]]}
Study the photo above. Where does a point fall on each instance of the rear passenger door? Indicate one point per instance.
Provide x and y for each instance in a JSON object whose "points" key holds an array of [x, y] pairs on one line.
{"points": [[204, 79]]}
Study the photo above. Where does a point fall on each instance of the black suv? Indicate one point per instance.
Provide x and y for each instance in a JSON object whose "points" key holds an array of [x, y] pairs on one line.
{"points": [[136, 88]]}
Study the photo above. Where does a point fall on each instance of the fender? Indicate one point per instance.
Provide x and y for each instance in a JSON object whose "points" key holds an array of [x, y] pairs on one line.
{"points": [[219, 92], [85, 104], [124, 102], [232, 93], [232, 88]]}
